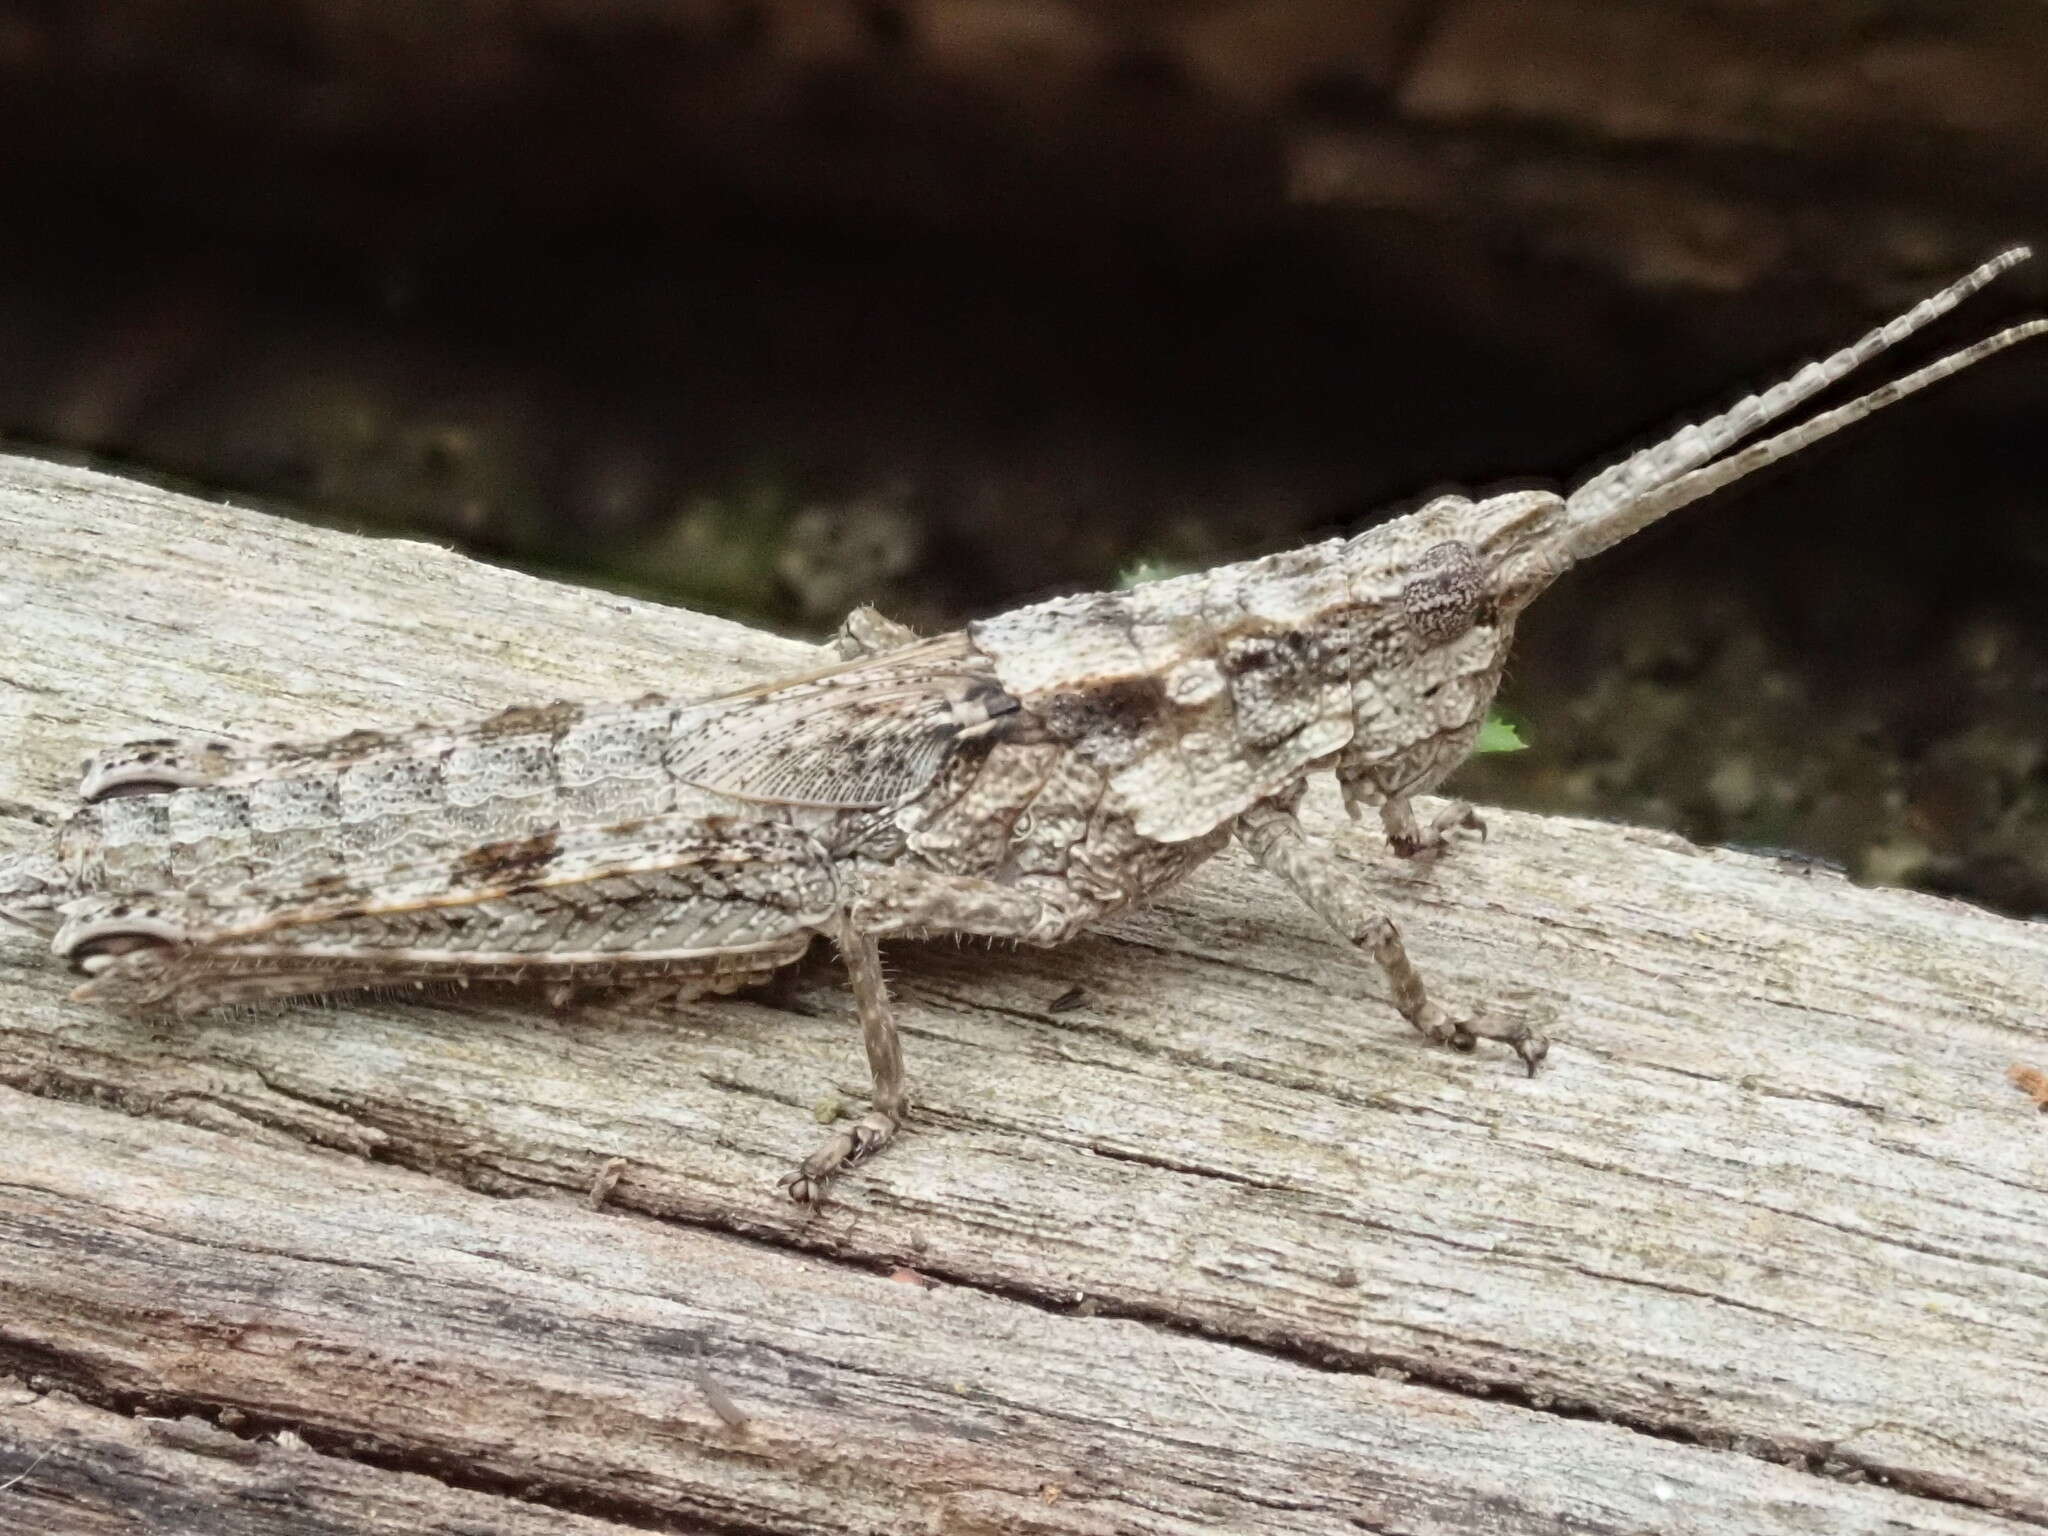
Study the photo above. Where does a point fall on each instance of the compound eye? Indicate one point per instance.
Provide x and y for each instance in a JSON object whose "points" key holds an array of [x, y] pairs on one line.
{"points": [[1446, 594]]}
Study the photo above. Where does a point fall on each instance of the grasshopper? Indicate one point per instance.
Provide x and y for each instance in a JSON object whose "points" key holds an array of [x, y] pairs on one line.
{"points": [[1020, 779]]}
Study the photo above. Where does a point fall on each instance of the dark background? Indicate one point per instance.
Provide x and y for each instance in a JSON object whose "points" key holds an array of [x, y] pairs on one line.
{"points": [[772, 308]]}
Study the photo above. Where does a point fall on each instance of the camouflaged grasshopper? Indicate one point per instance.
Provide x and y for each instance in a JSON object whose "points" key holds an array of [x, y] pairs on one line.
{"points": [[1020, 779]]}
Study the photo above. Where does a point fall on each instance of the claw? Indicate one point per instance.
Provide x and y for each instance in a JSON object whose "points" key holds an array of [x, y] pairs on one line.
{"points": [[1464, 1035], [866, 1136], [1410, 841], [1528, 1044]]}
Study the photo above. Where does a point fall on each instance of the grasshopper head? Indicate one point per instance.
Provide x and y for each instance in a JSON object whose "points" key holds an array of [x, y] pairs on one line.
{"points": [[1460, 565], [1522, 543]]}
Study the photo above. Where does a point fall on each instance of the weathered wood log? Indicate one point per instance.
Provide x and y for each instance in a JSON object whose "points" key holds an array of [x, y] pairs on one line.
{"points": [[1764, 1248]]}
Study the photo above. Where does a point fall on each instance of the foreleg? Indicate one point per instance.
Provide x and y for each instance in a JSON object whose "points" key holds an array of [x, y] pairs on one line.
{"points": [[1337, 895], [1408, 838], [1390, 784]]}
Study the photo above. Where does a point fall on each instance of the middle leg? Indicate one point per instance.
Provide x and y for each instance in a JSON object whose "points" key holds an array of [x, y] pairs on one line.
{"points": [[913, 901], [890, 1101]]}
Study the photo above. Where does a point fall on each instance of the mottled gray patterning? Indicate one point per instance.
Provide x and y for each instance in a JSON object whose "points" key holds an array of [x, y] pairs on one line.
{"points": [[1019, 779]]}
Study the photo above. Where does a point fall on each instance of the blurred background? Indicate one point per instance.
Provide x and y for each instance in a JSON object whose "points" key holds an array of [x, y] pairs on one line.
{"points": [[771, 308]]}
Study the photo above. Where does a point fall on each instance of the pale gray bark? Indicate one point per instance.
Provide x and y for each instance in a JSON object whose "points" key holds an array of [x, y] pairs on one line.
{"points": [[1224, 1249]]}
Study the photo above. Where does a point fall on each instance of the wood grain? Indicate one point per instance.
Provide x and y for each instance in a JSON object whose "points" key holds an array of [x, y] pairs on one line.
{"points": [[1764, 1248]]}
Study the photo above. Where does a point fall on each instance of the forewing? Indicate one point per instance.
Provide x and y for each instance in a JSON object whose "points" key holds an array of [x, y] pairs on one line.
{"points": [[861, 736]]}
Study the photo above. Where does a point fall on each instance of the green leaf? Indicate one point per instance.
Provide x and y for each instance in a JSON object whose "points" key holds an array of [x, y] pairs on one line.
{"points": [[1498, 735]]}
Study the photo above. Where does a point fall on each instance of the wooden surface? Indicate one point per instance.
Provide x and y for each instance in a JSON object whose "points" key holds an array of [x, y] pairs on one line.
{"points": [[1764, 1248]]}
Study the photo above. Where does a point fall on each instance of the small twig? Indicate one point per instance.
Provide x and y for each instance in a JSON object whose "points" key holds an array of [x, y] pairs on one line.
{"points": [[1195, 1387], [24, 1472], [722, 1404]]}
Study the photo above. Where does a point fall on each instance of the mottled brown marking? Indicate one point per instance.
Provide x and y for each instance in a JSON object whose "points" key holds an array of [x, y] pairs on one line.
{"points": [[1360, 640], [531, 720], [1282, 651], [1118, 707], [513, 860]]}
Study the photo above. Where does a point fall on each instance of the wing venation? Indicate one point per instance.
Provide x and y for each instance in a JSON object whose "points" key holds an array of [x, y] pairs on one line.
{"points": [[868, 734]]}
